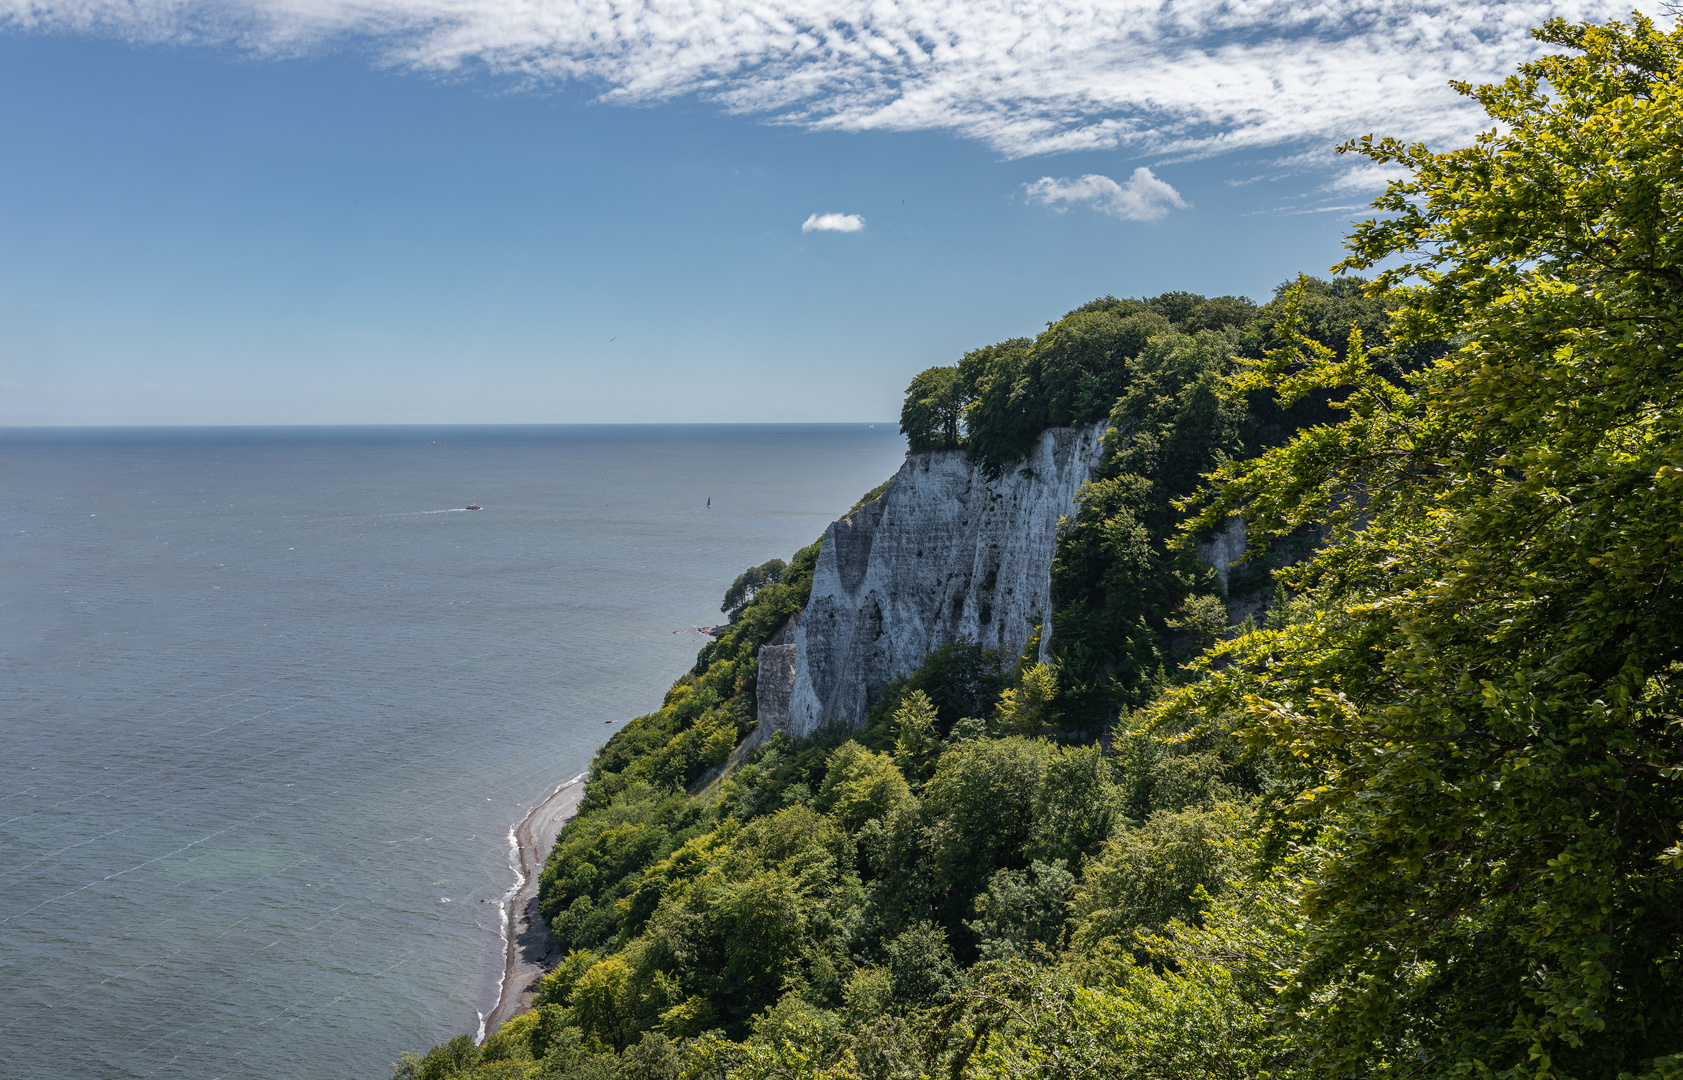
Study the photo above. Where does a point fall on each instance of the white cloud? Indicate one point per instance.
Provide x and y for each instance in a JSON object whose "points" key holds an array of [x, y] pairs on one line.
{"points": [[1142, 198], [833, 223], [1363, 178], [1171, 77]]}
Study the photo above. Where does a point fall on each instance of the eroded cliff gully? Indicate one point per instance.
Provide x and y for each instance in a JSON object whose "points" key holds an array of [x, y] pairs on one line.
{"points": [[945, 553]]}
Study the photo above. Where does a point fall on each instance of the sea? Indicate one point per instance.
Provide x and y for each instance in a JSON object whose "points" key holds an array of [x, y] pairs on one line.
{"points": [[271, 698]]}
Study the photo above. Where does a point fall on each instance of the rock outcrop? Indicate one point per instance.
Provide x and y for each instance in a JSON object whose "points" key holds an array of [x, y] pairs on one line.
{"points": [[945, 553], [1225, 550], [776, 680]]}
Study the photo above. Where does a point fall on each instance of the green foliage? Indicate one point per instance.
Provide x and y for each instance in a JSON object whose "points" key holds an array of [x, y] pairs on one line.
{"points": [[556, 988], [996, 400], [861, 786], [1069, 375], [1024, 1020], [779, 773], [916, 744], [599, 855], [1021, 915], [749, 582], [869, 993], [652, 1057], [739, 914], [1167, 869], [791, 1042], [1203, 619], [1479, 706], [921, 969], [514, 1041], [982, 800], [566, 1055], [933, 416], [1031, 707], [1078, 807], [602, 1006], [961, 679]]}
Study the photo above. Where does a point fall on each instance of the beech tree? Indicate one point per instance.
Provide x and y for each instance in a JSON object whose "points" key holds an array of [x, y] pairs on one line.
{"points": [[1476, 703], [933, 414], [748, 583]]}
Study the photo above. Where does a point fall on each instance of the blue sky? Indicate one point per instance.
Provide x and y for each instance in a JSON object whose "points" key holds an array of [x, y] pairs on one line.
{"points": [[490, 211]]}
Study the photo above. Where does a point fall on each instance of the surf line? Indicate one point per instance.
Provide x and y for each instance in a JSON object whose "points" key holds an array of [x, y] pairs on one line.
{"points": [[506, 907]]}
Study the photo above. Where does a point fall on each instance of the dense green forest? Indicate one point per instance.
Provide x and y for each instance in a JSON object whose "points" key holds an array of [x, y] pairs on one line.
{"points": [[1403, 800]]}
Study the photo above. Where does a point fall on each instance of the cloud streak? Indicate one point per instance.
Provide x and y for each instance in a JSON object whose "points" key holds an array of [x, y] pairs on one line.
{"points": [[1183, 78], [833, 223], [1142, 198]]}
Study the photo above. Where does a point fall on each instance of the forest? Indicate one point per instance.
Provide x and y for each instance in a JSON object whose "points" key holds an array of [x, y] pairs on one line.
{"points": [[1402, 800]]}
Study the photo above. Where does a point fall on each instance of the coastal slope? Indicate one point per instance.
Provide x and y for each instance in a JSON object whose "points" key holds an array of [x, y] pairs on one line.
{"points": [[529, 950]]}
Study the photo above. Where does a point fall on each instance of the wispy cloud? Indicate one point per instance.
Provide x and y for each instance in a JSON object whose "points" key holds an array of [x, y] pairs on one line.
{"points": [[833, 223], [1142, 198], [1171, 77], [1363, 178]]}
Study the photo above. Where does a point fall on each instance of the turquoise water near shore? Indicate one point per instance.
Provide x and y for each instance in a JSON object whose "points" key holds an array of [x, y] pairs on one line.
{"points": [[270, 700]]}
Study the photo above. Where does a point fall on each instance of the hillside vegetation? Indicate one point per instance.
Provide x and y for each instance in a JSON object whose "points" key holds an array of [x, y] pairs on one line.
{"points": [[1416, 813]]}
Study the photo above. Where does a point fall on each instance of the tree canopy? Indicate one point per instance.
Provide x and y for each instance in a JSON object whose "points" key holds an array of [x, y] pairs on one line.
{"points": [[1479, 704], [749, 582]]}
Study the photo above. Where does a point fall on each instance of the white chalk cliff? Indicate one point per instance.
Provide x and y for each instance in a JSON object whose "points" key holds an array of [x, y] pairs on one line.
{"points": [[945, 553]]}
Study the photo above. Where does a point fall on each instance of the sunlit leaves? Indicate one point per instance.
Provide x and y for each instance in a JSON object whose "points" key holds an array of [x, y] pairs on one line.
{"points": [[1476, 707]]}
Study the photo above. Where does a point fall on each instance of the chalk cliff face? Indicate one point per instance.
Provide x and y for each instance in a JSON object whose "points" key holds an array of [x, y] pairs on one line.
{"points": [[1225, 549], [776, 679], [945, 553]]}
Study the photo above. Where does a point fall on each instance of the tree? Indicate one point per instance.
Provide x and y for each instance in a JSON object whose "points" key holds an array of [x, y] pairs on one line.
{"points": [[653, 1057], [916, 744], [1078, 807], [1203, 619], [1480, 700], [1022, 1020], [1170, 867], [921, 970], [861, 786], [602, 1006], [1022, 910], [763, 922], [1032, 705], [557, 986], [933, 413], [750, 582], [981, 802]]}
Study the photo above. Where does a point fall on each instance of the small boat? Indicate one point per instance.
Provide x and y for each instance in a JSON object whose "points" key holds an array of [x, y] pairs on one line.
{"points": [[474, 506]]}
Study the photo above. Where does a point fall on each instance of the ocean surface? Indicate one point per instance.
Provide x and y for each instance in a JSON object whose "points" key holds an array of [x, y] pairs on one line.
{"points": [[270, 701]]}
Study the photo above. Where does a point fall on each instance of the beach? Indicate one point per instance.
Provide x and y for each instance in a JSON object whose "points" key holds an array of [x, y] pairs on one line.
{"points": [[528, 949]]}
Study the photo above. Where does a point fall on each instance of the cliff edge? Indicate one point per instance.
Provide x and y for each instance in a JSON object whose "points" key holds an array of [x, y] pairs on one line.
{"points": [[945, 553]]}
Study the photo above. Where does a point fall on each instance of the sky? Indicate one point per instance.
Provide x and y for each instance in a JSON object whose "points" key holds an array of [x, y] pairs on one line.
{"points": [[592, 211]]}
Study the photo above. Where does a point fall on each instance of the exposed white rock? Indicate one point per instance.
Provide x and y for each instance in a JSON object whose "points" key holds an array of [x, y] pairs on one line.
{"points": [[776, 680], [1225, 550], [945, 553]]}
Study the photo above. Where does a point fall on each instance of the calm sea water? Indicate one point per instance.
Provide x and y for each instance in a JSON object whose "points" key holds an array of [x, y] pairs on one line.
{"points": [[269, 702]]}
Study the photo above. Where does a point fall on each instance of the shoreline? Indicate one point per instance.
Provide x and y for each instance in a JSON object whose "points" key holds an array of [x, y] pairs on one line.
{"points": [[527, 944]]}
